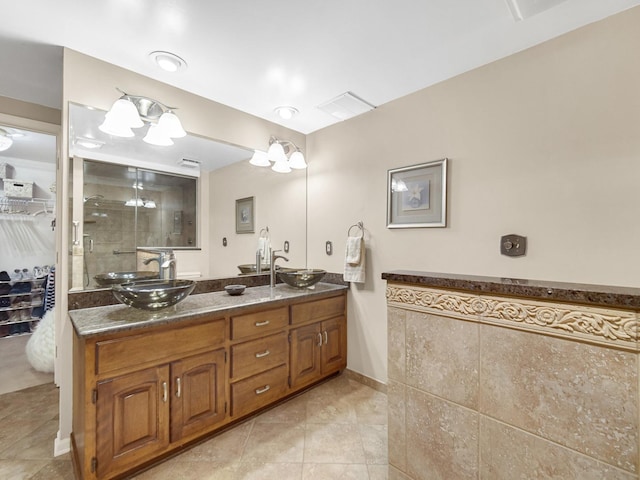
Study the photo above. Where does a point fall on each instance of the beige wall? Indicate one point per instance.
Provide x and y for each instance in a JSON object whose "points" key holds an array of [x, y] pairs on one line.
{"points": [[280, 204], [30, 111], [545, 143]]}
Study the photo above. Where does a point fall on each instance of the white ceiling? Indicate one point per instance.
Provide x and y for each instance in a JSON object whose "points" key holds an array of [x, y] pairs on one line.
{"points": [[255, 55]]}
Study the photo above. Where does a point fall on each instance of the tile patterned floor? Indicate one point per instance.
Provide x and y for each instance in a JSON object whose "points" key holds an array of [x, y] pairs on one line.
{"points": [[337, 430]]}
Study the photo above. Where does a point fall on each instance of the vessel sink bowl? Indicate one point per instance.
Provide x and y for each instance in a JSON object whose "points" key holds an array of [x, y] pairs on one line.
{"points": [[116, 278], [249, 268], [153, 294], [301, 278]]}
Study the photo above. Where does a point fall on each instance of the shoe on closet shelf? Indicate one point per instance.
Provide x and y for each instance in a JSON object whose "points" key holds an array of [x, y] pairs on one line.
{"points": [[5, 302], [4, 316], [4, 276]]}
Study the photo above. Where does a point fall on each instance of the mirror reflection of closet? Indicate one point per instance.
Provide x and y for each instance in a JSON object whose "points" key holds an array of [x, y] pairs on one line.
{"points": [[126, 207]]}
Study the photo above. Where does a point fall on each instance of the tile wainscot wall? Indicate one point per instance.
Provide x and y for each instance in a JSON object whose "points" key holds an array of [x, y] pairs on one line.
{"points": [[506, 379]]}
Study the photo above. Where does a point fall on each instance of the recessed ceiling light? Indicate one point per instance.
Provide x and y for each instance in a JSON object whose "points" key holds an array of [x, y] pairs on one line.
{"points": [[168, 61], [286, 112]]}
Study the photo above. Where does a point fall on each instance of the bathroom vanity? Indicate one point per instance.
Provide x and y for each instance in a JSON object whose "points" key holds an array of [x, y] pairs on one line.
{"points": [[147, 384]]}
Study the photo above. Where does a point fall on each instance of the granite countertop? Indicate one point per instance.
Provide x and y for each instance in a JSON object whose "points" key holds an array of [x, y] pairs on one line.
{"points": [[114, 318], [601, 295]]}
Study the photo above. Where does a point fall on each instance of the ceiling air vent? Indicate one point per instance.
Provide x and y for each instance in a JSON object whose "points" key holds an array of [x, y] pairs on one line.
{"points": [[521, 9], [185, 162], [346, 106]]}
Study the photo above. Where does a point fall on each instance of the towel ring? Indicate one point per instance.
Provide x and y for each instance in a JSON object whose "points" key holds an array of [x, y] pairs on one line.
{"points": [[264, 233], [359, 225]]}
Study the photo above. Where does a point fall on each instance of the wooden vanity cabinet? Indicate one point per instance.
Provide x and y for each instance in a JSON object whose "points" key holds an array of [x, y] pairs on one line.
{"points": [[319, 348], [259, 371], [142, 394]]}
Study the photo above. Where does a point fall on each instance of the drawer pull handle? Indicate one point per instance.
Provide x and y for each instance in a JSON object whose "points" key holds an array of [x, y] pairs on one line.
{"points": [[262, 324], [326, 337], [164, 392], [319, 339], [262, 390], [178, 387], [263, 354]]}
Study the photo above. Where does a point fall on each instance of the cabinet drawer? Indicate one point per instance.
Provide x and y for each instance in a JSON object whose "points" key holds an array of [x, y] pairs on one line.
{"points": [[259, 355], [318, 309], [258, 391], [259, 323], [149, 348]]}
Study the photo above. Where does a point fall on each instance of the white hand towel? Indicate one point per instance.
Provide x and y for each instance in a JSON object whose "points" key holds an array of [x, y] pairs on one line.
{"points": [[354, 249], [355, 272], [263, 247]]}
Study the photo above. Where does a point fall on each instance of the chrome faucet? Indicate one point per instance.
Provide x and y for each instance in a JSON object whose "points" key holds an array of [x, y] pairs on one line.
{"points": [[258, 261], [167, 267], [274, 257]]}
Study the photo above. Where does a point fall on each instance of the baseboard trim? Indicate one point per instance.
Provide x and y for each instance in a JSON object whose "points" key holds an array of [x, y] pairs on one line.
{"points": [[61, 446], [368, 381]]}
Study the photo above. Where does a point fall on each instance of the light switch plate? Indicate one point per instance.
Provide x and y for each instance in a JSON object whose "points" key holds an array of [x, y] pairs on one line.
{"points": [[513, 245], [329, 247]]}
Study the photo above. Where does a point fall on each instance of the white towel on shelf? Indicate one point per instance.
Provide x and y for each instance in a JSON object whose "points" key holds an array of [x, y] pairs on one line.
{"points": [[354, 271]]}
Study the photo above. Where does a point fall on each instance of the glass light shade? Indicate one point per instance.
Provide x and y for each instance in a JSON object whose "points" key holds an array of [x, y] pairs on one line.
{"points": [[5, 142], [260, 159], [149, 204], [133, 202], [112, 127], [297, 160], [157, 136], [170, 123], [281, 166], [276, 153], [124, 112]]}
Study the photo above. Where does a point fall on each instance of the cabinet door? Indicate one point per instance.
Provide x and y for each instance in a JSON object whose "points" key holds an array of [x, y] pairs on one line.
{"points": [[132, 414], [306, 343], [198, 394], [334, 345]]}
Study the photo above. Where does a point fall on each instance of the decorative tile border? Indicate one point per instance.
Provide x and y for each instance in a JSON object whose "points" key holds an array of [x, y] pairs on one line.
{"points": [[610, 327]]}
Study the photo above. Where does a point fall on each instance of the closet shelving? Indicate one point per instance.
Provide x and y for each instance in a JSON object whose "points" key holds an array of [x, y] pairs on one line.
{"points": [[26, 206], [21, 303], [16, 300]]}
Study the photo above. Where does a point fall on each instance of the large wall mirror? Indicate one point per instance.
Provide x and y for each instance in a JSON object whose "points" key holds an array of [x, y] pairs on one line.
{"points": [[127, 194]]}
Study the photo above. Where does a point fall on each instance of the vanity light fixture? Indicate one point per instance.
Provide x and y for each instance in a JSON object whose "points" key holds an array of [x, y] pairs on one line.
{"points": [[277, 153], [5, 140], [133, 111], [134, 202], [286, 112]]}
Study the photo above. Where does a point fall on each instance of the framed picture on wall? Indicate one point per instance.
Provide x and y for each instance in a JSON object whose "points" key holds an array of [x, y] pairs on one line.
{"points": [[245, 212], [417, 195]]}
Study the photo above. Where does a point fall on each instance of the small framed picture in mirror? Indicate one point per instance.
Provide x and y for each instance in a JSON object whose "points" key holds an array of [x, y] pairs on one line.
{"points": [[245, 213]]}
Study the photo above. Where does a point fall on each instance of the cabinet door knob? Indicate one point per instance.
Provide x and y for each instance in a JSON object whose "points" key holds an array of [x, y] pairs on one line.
{"points": [[262, 324], [164, 392], [326, 337], [264, 389], [319, 339], [178, 387], [263, 354]]}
